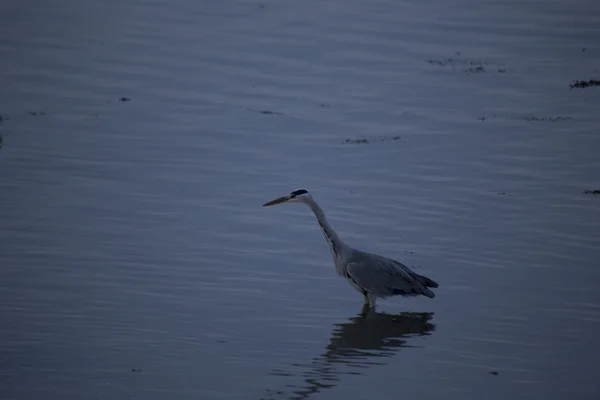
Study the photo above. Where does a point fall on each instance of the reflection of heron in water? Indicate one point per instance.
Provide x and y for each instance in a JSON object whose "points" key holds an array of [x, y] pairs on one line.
{"points": [[365, 340]]}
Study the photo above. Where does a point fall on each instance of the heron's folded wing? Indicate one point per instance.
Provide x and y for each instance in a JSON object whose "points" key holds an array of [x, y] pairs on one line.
{"points": [[382, 277]]}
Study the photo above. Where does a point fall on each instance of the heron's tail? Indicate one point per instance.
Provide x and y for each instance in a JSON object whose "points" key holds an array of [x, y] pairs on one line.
{"points": [[425, 281]]}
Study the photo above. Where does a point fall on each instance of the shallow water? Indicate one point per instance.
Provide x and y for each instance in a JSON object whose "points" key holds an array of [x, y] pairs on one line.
{"points": [[141, 138]]}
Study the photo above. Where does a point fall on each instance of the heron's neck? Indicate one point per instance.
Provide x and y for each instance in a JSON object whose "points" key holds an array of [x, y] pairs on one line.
{"points": [[333, 240]]}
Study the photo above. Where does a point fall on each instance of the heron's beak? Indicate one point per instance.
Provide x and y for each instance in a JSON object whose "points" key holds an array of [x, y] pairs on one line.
{"points": [[277, 201]]}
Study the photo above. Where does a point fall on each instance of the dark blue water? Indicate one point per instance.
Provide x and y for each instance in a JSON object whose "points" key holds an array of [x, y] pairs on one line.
{"points": [[140, 139]]}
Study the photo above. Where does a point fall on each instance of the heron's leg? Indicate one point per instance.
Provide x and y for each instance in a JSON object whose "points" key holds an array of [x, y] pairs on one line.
{"points": [[366, 308], [367, 301], [372, 299]]}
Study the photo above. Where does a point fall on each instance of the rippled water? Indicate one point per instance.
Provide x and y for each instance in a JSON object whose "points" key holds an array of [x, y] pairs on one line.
{"points": [[141, 138]]}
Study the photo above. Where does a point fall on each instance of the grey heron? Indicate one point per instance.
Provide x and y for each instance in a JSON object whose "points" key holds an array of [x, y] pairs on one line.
{"points": [[374, 276]]}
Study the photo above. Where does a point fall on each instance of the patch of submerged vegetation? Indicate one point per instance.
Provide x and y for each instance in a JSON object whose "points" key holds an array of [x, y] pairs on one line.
{"points": [[265, 112], [535, 118], [531, 118], [2, 118], [356, 141], [469, 66], [367, 141], [454, 61], [592, 191], [584, 84], [122, 99]]}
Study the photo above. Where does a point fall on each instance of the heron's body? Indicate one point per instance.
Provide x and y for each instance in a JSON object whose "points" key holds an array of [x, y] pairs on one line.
{"points": [[370, 274]]}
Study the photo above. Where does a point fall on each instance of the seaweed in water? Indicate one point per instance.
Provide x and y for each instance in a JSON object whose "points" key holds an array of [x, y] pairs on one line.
{"points": [[584, 84], [469, 66], [268, 112], [356, 141], [454, 61], [530, 118], [265, 112], [475, 70], [366, 141], [548, 119]]}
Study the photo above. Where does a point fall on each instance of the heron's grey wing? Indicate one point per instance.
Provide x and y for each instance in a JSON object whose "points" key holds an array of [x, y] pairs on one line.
{"points": [[384, 277]]}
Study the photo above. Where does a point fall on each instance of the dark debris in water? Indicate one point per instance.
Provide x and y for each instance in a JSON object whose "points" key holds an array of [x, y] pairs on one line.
{"points": [[504, 194], [265, 112], [469, 66], [530, 118], [494, 373], [475, 70], [454, 62], [592, 191], [367, 141], [584, 84], [2, 118], [534, 118], [136, 370], [279, 372], [356, 141], [37, 113], [124, 99]]}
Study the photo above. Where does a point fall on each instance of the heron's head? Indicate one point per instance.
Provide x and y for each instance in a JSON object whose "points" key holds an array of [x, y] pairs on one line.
{"points": [[297, 196]]}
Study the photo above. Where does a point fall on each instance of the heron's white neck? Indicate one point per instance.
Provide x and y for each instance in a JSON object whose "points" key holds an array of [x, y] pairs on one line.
{"points": [[333, 240]]}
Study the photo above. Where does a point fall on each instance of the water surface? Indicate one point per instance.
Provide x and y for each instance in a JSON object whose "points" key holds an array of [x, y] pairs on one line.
{"points": [[141, 138]]}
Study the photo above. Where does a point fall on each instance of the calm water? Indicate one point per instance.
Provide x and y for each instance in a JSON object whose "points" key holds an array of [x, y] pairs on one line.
{"points": [[136, 261]]}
